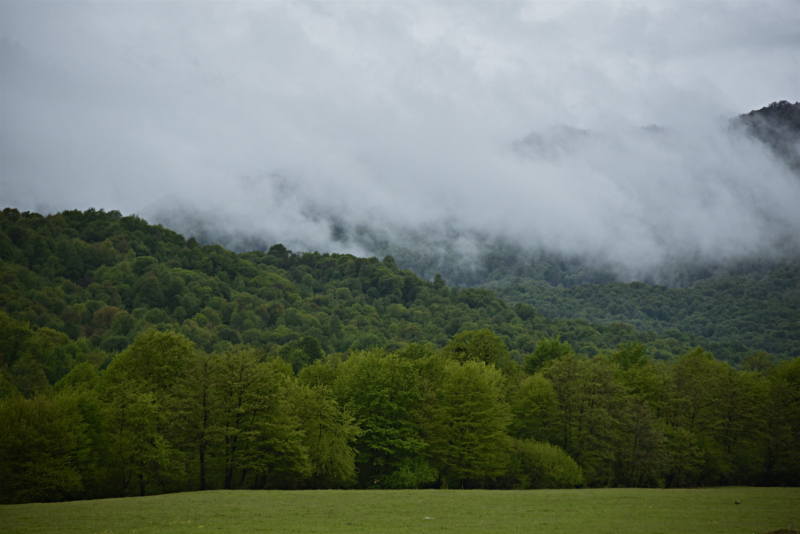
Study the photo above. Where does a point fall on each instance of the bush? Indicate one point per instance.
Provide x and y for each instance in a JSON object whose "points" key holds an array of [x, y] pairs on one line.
{"points": [[537, 465]]}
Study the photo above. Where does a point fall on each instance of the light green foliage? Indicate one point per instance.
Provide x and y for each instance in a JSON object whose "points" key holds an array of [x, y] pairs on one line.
{"points": [[156, 358], [541, 465], [468, 440], [630, 355], [82, 376], [640, 453], [260, 435], [329, 434], [137, 391], [381, 391], [533, 405], [319, 374], [197, 406], [690, 415], [135, 423], [479, 345]]}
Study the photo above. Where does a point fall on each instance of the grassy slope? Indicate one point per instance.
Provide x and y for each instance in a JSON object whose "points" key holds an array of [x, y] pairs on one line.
{"points": [[693, 511]]}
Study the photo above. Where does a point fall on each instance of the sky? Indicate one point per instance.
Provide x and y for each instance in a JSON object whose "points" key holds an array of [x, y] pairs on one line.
{"points": [[593, 128]]}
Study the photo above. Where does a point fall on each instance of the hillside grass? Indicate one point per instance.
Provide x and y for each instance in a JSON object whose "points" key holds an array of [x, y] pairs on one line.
{"points": [[694, 511]]}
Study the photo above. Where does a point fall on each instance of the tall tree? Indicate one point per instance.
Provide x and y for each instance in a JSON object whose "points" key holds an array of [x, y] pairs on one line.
{"points": [[469, 443], [259, 432], [381, 391], [329, 435], [197, 406], [589, 404]]}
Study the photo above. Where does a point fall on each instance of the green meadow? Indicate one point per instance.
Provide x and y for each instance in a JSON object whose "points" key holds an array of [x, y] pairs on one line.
{"points": [[642, 511]]}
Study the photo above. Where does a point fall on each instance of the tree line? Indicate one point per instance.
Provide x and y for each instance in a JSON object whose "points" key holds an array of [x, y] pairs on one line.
{"points": [[165, 416]]}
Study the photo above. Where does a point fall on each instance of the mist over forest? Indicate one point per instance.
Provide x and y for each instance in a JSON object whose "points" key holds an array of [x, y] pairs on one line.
{"points": [[669, 207], [599, 134]]}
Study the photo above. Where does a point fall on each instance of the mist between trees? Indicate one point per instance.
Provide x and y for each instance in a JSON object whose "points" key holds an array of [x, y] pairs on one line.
{"points": [[136, 362]]}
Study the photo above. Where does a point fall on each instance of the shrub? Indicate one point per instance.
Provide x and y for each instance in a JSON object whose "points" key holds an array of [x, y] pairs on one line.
{"points": [[539, 465]]}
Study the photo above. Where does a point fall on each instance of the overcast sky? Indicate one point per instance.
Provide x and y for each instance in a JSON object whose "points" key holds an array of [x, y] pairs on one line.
{"points": [[273, 119]]}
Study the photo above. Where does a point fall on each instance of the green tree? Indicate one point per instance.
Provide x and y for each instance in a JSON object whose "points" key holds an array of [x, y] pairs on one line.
{"points": [[39, 447], [14, 336], [783, 424], [694, 454], [639, 458], [260, 435], [329, 435], [381, 391], [630, 355], [138, 391], [468, 442], [589, 410], [533, 406], [135, 423], [547, 350], [479, 345], [156, 358], [197, 407]]}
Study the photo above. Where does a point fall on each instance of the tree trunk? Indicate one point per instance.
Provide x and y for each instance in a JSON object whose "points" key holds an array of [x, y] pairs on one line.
{"points": [[203, 466]]}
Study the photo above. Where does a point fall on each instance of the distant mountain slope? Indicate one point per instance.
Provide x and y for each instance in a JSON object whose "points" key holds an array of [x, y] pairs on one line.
{"points": [[756, 308], [753, 304], [777, 126]]}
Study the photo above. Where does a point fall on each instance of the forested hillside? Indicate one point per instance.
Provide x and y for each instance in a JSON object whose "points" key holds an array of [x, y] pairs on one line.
{"points": [[734, 308], [758, 309], [134, 361], [82, 286]]}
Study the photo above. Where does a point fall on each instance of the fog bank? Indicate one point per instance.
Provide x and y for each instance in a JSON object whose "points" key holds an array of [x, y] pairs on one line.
{"points": [[596, 130]]}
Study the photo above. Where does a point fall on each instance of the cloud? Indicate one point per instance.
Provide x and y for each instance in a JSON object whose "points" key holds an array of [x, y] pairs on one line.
{"points": [[328, 126]]}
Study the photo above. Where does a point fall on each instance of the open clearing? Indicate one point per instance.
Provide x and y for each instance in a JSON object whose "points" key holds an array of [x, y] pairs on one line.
{"points": [[615, 511]]}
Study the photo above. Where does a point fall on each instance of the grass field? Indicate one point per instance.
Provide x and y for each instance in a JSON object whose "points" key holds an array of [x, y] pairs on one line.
{"points": [[694, 511]]}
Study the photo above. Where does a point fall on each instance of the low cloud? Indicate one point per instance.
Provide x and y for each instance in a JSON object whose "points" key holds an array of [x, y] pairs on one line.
{"points": [[594, 129]]}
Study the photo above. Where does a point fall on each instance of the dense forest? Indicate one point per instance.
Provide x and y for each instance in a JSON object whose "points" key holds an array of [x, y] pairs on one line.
{"points": [[92, 281], [738, 312], [732, 308], [134, 361]]}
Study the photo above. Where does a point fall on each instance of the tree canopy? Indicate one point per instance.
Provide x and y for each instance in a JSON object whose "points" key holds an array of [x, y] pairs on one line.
{"points": [[133, 362]]}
